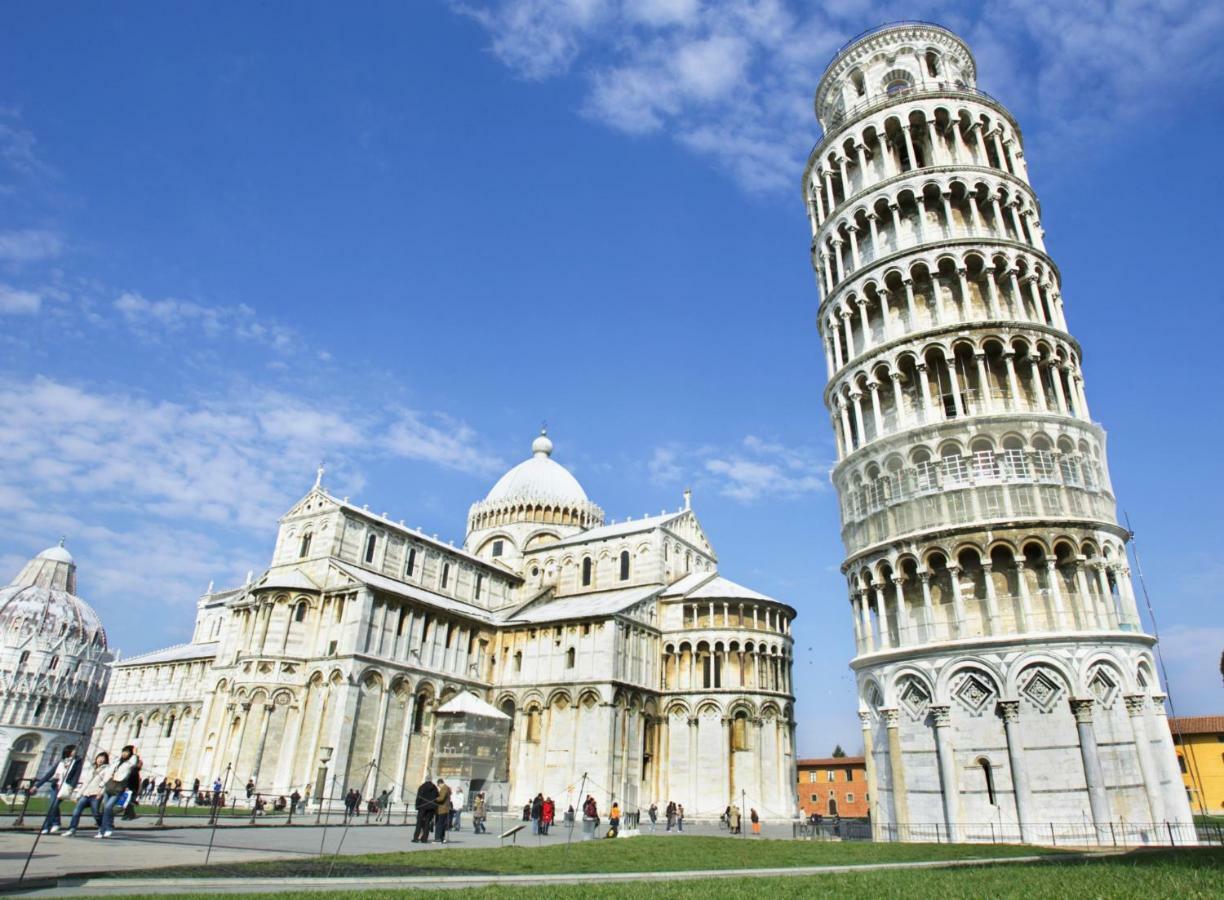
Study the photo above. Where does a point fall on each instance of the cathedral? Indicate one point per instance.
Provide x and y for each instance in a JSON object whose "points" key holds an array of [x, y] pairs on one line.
{"points": [[553, 652]]}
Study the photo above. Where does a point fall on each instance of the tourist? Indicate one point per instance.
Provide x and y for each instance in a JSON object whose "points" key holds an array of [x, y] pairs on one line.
{"points": [[63, 776], [295, 801], [680, 817], [177, 792], [89, 793], [527, 811], [426, 803], [250, 789], [281, 804], [115, 787], [537, 813], [479, 812], [653, 812], [756, 821], [384, 805], [130, 804], [459, 799], [614, 820], [442, 816], [733, 818], [261, 805], [549, 812]]}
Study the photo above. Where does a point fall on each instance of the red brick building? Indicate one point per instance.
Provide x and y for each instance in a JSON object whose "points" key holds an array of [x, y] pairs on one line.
{"points": [[834, 786]]}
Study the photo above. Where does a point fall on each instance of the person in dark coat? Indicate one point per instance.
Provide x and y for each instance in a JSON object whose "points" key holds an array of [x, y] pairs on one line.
{"points": [[537, 813], [444, 807], [426, 805]]}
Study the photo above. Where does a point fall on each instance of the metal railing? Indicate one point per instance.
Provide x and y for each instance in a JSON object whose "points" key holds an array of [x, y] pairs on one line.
{"points": [[1119, 834]]}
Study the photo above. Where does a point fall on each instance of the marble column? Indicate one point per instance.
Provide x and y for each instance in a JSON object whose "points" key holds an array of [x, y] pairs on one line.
{"points": [[1094, 776], [1010, 711], [1136, 707], [873, 805], [941, 715], [896, 770]]}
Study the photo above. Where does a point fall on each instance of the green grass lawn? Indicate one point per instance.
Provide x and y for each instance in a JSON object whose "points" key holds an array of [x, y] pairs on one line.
{"points": [[640, 854], [1149, 874]]}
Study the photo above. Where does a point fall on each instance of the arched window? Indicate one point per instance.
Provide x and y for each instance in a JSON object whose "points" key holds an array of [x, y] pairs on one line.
{"points": [[624, 565], [688, 561], [586, 572], [371, 543], [739, 731], [569, 658], [445, 575], [24, 658], [410, 566], [860, 85], [932, 63], [533, 724], [42, 705], [418, 714], [518, 661], [139, 728], [988, 777], [305, 546], [832, 806], [170, 726], [299, 614]]}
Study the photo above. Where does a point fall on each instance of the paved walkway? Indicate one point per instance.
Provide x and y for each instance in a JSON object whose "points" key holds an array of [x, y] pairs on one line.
{"points": [[141, 846], [101, 887]]}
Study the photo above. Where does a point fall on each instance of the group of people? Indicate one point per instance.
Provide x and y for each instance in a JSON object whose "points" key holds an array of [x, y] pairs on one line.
{"points": [[439, 810], [106, 786], [376, 806], [734, 820], [540, 811]]}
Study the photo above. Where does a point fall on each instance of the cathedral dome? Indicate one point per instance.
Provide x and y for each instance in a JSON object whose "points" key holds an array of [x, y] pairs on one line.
{"points": [[539, 491], [538, 478]]}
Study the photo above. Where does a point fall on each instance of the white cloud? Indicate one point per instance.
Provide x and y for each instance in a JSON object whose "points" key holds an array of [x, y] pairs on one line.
{"points": [[752, 470], [13, 301], [153, 318], [732, 80], [224, 461], [29, 245]]}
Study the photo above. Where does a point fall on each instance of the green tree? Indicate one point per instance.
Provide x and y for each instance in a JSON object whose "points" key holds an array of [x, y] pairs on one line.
{"points": [[838, 752]]}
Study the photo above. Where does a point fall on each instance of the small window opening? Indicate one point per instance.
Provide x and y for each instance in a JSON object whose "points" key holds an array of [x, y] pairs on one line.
{"points": [[445, 574], [498, 547], [299, 614], [304, 549], [586, 572], [479, 584], [569, 658], [988, 776], [624, 565], [410, 566], [371, 543]]}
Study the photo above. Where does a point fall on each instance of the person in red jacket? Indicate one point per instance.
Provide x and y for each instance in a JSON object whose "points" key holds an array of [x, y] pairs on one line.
{"points": [[550, 810]]}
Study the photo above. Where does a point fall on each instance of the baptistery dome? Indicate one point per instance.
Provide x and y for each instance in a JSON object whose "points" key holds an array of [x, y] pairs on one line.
{"points": [[53, 665]]}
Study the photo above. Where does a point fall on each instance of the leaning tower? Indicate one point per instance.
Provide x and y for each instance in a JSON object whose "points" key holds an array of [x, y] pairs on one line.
{"points": [[1006, 686]]}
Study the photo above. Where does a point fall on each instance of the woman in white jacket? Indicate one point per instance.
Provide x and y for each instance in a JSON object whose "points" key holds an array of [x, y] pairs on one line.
{"points": [[114, 788], [90, 793]]}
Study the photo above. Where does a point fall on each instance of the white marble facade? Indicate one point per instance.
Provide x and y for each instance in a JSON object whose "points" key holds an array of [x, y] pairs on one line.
{"points": [[617, 649], [53, 666], [1006, 686]]}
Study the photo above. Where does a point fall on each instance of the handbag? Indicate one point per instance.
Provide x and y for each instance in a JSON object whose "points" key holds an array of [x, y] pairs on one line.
{"points": [[114, 788]]}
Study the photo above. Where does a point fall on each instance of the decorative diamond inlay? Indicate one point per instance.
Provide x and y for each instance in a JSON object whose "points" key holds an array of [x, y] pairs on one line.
{"points": [[915, 699], [1103, 687], [1042, 690], [974, 693]]}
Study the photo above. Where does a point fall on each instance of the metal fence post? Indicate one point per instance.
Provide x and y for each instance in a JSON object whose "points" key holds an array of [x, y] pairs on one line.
{"points": [[21, 815]]}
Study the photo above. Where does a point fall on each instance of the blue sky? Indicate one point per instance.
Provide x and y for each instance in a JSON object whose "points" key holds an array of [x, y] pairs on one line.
{"points": [[238, 238]]}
